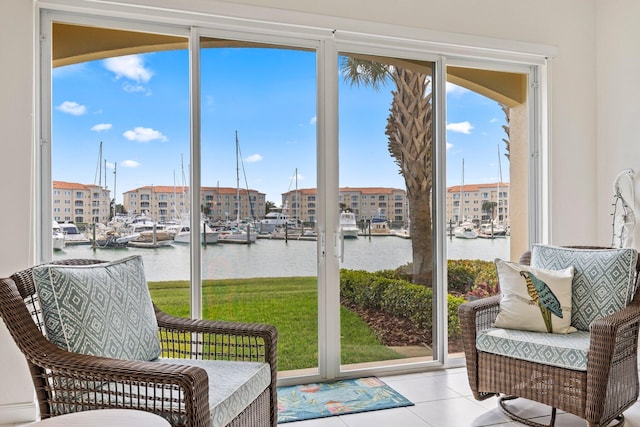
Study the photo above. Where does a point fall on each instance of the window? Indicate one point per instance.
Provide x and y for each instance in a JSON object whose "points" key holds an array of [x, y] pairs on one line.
{"points": [[233, 139]]}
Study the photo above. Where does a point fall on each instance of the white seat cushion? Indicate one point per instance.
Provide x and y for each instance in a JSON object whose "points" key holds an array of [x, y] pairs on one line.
{"points": [[232, 385], [563, 350]]}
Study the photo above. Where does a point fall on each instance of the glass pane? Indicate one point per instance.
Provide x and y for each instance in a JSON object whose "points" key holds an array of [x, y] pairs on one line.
{"points": [[120, 128], [259, 177], [486, 135], [385, 181]]}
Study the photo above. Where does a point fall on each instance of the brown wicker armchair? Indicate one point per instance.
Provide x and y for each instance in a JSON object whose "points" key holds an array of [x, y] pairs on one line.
{"points": [[71, 382], [599, 394]]}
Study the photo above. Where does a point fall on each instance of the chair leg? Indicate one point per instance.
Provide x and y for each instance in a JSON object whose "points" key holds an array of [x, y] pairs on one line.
{"points": [[502, 399], [525, 421]]}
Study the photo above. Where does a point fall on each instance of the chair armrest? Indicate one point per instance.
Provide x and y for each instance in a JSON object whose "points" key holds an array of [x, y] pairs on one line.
{"points": [[82, 382], [614, 337], [210, 340], [613, 352], [479, 314], [220, 340], [476, 316]]}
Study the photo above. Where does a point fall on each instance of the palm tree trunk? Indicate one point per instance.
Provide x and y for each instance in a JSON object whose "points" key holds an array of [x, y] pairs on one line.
{"points": [[409, 128]]}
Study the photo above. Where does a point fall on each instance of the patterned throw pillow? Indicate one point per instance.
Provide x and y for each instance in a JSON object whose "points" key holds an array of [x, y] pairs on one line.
{"points": [[603, 283], [100, 309], [534, 299]]}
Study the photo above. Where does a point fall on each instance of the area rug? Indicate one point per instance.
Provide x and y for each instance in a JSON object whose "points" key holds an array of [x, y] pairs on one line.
{"points": [[305, 402]]}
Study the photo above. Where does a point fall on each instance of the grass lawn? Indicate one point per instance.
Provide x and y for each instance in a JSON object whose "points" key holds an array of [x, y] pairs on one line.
{"points": [[288, 303]]}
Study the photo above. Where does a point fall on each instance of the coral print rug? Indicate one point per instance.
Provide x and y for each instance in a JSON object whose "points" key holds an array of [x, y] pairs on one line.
{"points": [[304, 402]]}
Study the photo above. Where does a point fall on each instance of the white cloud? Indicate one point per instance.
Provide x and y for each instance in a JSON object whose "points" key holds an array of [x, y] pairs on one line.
{"points": [[72, 107], [131, 67], [298, 177], [449, 145], [313, 120], [68, 70], [141, 134], [129, 88], [253, 158], [129, 164], [461, 127], [101, 126], [455, 89]]}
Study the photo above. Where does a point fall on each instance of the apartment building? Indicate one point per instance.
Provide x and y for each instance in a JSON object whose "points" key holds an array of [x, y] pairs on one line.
{"points": [[465, 203], [80, 203], [164, 202], [364, 202]]}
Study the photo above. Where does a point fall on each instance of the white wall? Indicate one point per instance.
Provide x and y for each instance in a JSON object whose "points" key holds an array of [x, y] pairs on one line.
{"points": [[618, 104], [16, 124], [585, 108]]}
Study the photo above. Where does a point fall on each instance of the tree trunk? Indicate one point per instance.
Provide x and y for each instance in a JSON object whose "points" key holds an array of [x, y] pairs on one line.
{"points": [[410, 140]]}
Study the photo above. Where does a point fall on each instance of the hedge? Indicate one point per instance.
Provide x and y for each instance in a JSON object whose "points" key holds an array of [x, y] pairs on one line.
{"points": [[397, 297]]}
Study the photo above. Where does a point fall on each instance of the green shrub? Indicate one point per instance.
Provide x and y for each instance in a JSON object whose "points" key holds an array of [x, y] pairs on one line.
{"points": [[397, 297]]}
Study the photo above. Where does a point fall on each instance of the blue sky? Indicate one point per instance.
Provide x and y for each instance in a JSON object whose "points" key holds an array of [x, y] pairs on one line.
{"points": [[138, 106]]}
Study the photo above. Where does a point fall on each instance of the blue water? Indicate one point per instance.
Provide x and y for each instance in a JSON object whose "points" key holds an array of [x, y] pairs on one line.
{"points": [[277, 258]]}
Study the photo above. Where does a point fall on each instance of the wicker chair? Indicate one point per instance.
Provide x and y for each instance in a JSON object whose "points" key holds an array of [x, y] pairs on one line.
{"points": [[598, 394], [66, 382]]}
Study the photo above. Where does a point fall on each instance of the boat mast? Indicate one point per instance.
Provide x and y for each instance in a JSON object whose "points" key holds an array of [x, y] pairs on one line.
{"points": [[462, 194], [237, 183], [115, 166], [499, 182]]}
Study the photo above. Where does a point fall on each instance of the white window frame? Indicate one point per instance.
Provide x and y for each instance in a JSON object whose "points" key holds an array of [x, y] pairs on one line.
{"points": [[328, 36]]}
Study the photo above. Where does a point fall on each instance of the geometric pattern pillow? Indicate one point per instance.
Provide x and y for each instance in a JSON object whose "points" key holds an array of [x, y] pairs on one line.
{"points": [[101, 309], [603, 281], [533, 299]]}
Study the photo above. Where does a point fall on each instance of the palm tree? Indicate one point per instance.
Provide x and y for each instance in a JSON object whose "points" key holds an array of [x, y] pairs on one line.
{"points": [[409, 132], [269, 206], [489, 207]]}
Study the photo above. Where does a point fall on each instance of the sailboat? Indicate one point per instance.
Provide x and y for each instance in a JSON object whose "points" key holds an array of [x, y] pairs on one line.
{"points": [[236, 234], [494, 227], [466, 229]]}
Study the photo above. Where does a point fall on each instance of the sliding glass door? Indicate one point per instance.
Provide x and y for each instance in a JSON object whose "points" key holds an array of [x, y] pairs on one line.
{"points": [[297, 178], [259, 193]]}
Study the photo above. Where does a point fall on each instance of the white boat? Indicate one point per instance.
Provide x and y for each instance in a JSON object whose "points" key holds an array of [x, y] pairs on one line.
{"points": [[489, 231], [183, 234], [73, 236], [379, 226], [236, 235], [57, 237], [466, 230], [152, 239], [348, 225], [273, 220], [403, 233]]}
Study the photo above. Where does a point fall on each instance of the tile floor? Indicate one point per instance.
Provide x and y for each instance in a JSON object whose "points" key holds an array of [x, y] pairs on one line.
{"points": [[443, 399]]}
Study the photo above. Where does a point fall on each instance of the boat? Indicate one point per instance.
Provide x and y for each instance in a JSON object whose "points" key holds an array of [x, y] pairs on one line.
{"points": [[379, 226], [57, 237], [466, 230], [273, 220], [237, 235], [403, 233], [152, 239], [491, 231], [182, 233], [348, 226], [72, 235]]}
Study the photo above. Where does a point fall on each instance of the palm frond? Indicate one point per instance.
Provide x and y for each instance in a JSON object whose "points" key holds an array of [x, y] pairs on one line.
{"points": [[358, 71]]}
